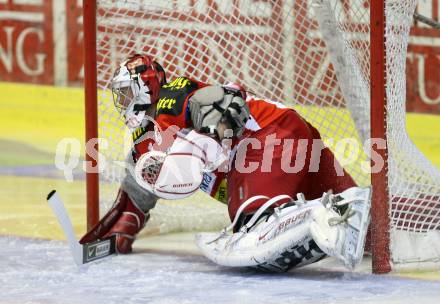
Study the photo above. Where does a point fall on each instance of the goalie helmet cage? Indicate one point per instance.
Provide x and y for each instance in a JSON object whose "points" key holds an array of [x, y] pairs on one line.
{"points": [[311, 54]]}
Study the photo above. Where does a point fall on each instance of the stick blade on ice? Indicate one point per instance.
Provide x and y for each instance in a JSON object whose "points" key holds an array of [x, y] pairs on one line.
{"points": [[81, 253]]}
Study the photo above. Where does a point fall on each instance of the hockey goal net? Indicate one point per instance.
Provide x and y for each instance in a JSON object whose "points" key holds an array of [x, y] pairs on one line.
{"points": [[313, 55]]}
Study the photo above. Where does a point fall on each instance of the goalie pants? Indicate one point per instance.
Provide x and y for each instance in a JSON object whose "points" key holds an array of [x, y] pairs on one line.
{"points": [[282, 173]]}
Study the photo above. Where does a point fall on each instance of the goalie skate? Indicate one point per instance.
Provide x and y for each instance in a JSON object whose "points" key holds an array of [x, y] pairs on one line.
{"points": [[343, 234]]}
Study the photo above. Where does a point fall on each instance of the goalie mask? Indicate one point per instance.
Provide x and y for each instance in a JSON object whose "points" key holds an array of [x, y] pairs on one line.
{"points": [[137, 80]]}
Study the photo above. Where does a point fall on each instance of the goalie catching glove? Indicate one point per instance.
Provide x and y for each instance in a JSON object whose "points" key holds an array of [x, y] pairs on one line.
{"points": [[214, 104], [294, 234], [178, 173]]}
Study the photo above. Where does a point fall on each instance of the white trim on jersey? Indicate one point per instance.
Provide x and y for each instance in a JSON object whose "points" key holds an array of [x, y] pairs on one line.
{"points": [[252, 124]]}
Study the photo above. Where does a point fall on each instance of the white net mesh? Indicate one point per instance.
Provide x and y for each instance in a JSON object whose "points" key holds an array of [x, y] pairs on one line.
{"points": [[310, 54]]}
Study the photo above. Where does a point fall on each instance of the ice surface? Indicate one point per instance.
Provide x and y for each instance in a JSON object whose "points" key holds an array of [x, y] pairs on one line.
{"points": [[39, 271]]}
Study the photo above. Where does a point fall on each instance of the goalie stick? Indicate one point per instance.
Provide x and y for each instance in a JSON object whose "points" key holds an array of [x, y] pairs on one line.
{"points": [[81, 253]]}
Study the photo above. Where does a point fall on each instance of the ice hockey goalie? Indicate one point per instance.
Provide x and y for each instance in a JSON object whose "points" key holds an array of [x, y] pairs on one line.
{"points": [[293, 234], [274, 226]]}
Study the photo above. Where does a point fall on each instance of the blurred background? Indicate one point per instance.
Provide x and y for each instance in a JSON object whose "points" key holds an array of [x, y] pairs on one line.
{"points": [[42, 102]]}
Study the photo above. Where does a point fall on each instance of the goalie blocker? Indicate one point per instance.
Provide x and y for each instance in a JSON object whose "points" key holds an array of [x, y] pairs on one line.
{"points": [[295, 234]]}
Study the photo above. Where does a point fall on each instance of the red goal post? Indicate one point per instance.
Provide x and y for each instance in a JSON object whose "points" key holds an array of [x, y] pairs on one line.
{"points": [[290, 51], [91, 109], [378, 99]]}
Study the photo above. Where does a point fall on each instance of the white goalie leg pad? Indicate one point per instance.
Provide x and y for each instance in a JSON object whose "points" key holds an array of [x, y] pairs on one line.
{"points": [[277, 242], [343, 236]]}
